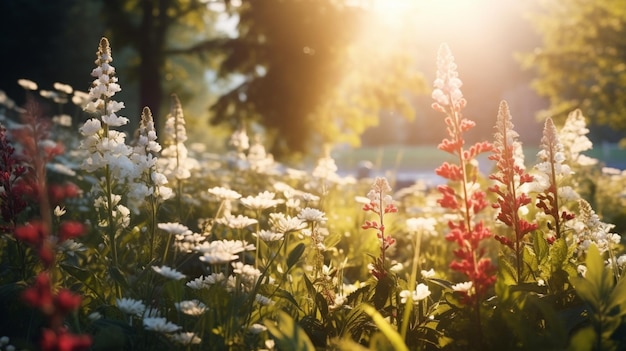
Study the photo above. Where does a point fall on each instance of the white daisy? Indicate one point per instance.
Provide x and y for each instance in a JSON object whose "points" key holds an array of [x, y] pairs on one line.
{"points": [[312, 215], [168, 272], [191, 307], [185, 338], [130, 306], [159, 324]]}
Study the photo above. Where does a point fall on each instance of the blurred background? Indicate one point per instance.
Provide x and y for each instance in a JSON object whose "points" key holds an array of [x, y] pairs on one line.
{"points": [[308, 76]]}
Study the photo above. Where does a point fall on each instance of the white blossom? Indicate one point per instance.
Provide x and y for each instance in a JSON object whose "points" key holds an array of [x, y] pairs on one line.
{"points": [[191, 307], [130, 306], [160, 324], [168, 272]]}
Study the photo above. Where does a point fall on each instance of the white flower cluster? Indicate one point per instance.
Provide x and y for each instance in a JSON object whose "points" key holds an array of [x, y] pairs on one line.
{"points": [[282, 223], [191, 307], [168, 272], [152, 320], [326, 169], [239, 141], [588, 229], [573, 136], [245, 279], [260, 202], [106, 148], [380, 187], [312, 215], [506, 137], [447, 90], [260, 161], [222, 251], [552, 164], [236, 222], [175, 162], [224, 194], [420, 293], [425, 225], [144, 157], [205, 282]]}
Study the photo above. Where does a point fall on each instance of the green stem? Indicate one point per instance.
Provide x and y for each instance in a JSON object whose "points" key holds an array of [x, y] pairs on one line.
{"points": [[412, 283]]}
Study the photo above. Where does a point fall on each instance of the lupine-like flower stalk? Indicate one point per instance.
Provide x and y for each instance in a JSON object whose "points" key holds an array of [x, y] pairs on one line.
{"points": [[107, 152], [12, 200], [462, 195], [573, 136], [380, 204], [551, 172], [174, 161], [55, 306], [510, 176], [145, 151], [150, 188]]}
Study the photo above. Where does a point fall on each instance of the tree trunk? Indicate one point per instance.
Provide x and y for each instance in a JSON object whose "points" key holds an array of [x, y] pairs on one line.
{"points": [[151, 53]]}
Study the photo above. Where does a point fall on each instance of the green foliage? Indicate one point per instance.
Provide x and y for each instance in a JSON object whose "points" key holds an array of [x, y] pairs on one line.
{"points": [[606, 299], [581, 61], [316, 83], [287, 334]]}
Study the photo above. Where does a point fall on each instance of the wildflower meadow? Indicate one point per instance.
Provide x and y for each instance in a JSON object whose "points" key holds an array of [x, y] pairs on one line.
{"points": [[136, 241]]}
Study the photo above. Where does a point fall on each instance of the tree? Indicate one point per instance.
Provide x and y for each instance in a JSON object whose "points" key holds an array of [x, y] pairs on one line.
{"points": [[582, 61], [308, 75], [155, 29]]}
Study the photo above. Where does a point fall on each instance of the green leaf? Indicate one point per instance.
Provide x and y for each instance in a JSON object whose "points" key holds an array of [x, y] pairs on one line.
{"points": [[289, 336], [392, 335], [541, 247], [442, 283], [382, 291], [587, 292], [584, 340], [618, 296], [530, 260], [77, 272], [558, 254], [595, 266], [506, 271], [295, 255], [345, 344], [119, 277], [272, 291]]}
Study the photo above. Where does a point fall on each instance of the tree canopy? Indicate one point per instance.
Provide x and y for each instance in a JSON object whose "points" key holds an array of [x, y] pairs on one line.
{"points": [[308, 75], [582, 60]]}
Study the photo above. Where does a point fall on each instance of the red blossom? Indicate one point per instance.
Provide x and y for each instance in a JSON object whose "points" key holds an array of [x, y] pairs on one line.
{"points": [[449, 146], [40, 294], [71, 190], [36, 234], [70, 229], [64, 341], [33, 233], [66, 301], [450, 171], [391, 208], [449, 199]]}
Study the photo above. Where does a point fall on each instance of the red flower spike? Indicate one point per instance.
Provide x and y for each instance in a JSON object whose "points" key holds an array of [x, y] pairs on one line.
{"points": [[66, 301], [70, 229], [32, 233], [46, 255], [71, 190], [64, 341], [461, 196], [40, 294]]}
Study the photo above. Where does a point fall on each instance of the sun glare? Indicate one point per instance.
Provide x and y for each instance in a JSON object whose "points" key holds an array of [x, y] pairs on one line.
{"points": [[452, 12]]}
